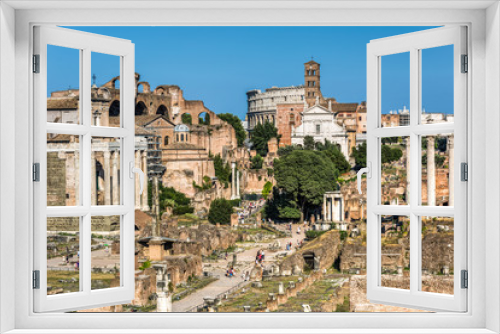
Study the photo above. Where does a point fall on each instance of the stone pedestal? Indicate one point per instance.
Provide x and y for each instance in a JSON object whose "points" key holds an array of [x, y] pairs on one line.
{"points": [[234, 219], [156, 249], [164, 302]]}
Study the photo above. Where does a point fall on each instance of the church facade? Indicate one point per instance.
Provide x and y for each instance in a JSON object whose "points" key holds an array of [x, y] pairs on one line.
{"points": [[299, 111], [320, 123]]}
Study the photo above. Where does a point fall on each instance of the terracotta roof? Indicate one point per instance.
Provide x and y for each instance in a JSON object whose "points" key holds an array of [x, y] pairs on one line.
{"points": [[344, 107], [182, 146], [311, 62], [69, 103], [143, 120], [139, 130]]}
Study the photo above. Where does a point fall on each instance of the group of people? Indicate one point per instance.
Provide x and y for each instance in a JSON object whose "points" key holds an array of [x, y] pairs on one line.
{"points": [[259, 257], [230, 272]]}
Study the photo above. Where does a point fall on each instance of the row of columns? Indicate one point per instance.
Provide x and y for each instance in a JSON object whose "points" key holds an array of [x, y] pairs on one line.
{"points": [[333, 207], [111, 162], [261, 119]]}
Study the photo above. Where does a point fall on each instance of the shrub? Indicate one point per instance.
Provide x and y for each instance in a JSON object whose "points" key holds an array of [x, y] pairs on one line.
{"points": [[314, 234], [220, 211], [183, 209]]}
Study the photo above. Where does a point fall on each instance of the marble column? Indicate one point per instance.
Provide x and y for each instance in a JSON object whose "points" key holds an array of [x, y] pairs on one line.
{"points": [[107, 178], [94, 180], [116, 190], [233, 180], [451, 164], [137, 184], [164, 301], [145, 205], [237, 184], [431, 172], [324, 208]]}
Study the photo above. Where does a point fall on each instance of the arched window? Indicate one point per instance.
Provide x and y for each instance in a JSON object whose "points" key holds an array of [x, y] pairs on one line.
{"points": [[114, 108], [165, 141], [141, 109], [162, 110], [182, 137], [177, 137]]}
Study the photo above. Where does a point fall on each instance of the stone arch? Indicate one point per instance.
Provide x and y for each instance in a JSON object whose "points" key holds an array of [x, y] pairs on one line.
{"points": [[187, 119], [204, 118], [308, 260], [141, 109], [145, 87], [162, 110], [114, 108]]}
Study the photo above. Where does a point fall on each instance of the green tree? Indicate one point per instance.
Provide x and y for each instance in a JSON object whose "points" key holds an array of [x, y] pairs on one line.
{"points": [[169, 197], [359, 155], [261, 135], [237, 126], [187, 119], [335, 154], [220, 211], [282, 151], [256, 162], [390, 154], [308, 143], [304, 176], [222, 171], [268, 186]]}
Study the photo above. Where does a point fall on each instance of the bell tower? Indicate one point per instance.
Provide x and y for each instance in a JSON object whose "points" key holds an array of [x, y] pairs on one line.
{"points": [[312, 82]]}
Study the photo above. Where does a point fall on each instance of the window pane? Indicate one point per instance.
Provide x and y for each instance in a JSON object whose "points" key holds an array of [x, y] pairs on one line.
{"points": [[437, 254], [63, 170], [63, 255], [105, 247], [437, 170], [437, 85], [395, 90], [395, 170], [63, 82], [105, 171], [395, 250], [105, 90]]}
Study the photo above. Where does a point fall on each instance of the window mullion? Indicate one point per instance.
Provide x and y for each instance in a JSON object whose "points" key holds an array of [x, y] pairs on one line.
{"points": [[413, 172], [85, 237]]}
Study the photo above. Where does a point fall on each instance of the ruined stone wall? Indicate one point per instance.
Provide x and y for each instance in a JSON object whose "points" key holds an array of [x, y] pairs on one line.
{"points": [[325, 248], [185, 166], [180, 267], [253, 180], [208, 237]]}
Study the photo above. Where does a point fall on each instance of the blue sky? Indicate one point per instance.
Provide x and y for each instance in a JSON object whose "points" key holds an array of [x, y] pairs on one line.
{"points": [[219, 64]]}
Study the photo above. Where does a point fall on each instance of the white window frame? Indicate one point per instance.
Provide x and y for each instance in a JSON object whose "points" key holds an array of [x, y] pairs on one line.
{"points": [[413, 44], [484, 103], [86, 44]]}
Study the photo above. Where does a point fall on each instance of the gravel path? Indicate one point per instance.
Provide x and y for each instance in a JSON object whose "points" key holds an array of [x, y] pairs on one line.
{"points": [[246, 261]]}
